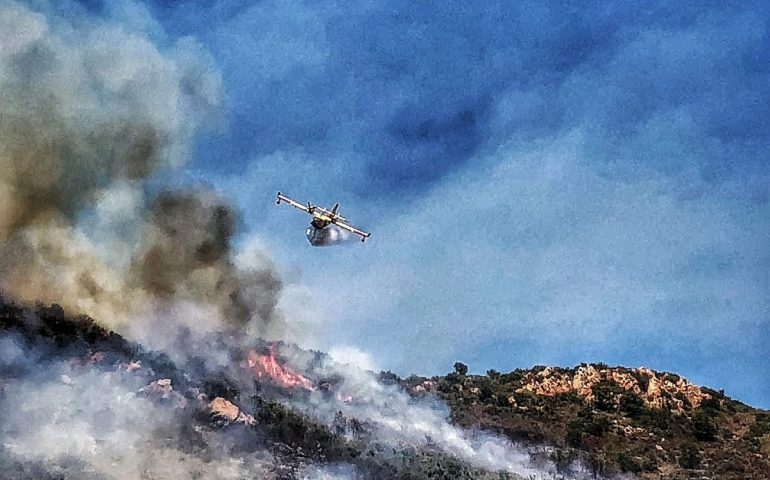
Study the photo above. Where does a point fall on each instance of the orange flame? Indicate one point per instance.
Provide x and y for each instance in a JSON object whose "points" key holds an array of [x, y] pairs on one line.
{"points": [[268, 367]]}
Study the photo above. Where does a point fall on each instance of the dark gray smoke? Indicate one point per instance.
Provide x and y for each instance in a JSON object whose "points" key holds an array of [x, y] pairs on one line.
{"points": [[82, 111], [187, 255], [89, 113]]}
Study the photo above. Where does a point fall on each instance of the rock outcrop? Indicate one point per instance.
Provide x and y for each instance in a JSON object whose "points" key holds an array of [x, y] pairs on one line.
{"points": [[657, 390], [225, 412], [161, 391]]}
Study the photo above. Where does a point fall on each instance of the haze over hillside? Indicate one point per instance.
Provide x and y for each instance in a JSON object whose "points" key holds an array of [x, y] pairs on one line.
{"points": [[81, 402]]}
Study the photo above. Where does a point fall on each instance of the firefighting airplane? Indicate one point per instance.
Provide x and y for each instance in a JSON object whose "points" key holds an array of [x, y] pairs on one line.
{"points": [[317, 233]]}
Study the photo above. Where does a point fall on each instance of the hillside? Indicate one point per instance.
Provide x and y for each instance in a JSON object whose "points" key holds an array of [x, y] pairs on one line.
{"points": [[122, 411], [79, 401], [652, 424]]}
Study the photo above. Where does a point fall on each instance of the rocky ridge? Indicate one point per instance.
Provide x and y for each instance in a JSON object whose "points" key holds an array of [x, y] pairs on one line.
{"points": [[657, 390]]}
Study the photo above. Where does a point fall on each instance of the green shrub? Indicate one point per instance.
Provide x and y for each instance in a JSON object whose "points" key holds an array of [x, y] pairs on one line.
{"points": [[644, 380], [631, 405], [563, 459], [703, 427], [628, 464], [485, 393], [761, 425], [574, 436], [513, 377], [690, 458], [712, 404], [655, 418], [582, 427], [606, 394]]}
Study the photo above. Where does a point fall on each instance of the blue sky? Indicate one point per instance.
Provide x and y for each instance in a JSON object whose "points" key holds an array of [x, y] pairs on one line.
{"points": [[547, 182]]}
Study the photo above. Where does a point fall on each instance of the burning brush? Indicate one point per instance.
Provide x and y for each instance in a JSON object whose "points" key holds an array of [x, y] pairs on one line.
{"points": [[266, 366]]}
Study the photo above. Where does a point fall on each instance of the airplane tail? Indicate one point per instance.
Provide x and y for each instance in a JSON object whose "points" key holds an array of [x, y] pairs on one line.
{"points": [[335, 208]]}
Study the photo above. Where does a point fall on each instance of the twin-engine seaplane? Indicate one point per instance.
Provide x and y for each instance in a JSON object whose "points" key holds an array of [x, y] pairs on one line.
{"points": [[318, 233]]}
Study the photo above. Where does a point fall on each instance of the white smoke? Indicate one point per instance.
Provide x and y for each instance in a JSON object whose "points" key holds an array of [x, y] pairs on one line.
{"points": [[351, 355], [338, 235], [98, 419], [399, 420], [336, 472], [71, 419]]}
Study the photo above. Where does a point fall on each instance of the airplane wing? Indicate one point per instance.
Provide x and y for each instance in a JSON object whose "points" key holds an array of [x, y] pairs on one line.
{"points": [[283, 198], [352, 229]]}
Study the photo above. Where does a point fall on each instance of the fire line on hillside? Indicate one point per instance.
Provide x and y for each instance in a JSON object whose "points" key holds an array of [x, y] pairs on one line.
{"points": [[266, 366]]}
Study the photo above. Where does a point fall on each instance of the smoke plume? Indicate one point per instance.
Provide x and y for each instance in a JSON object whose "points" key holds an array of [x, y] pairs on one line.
{"points": [[84, 109], [90, 112], [90, 425], [187, 255]]}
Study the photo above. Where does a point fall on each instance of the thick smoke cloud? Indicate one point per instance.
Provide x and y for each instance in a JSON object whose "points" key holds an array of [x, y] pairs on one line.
{"points": [[187, 255], [83, 109], [94, 112], [91, 112], [80, 112]]}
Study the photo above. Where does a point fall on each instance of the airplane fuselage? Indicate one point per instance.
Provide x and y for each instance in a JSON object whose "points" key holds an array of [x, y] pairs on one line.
{"points": [[320, 222]]}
